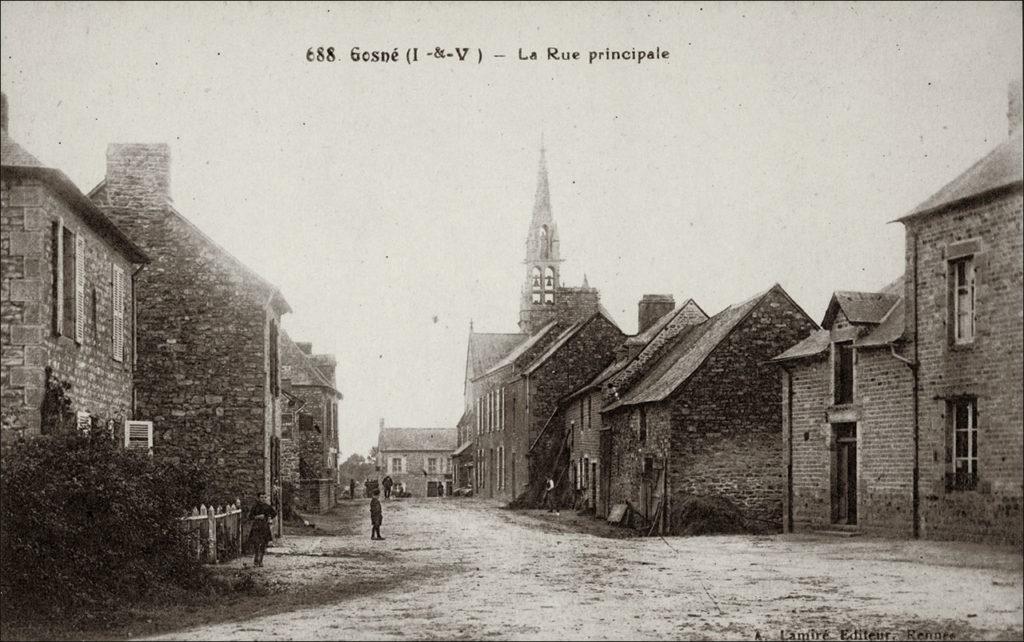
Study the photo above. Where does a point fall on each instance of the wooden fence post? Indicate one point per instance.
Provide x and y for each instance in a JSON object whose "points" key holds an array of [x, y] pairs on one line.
{"points": [[211, 553]]}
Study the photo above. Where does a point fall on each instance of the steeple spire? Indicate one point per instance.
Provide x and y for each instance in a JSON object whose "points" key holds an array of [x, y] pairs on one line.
{"points": [[542, 200]]}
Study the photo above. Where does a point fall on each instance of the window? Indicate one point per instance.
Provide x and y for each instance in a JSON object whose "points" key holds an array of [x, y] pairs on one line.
{"points": [[586, 472], [963, 293], [117, 296], [83, 421], [287, 421], [396, 465], [536, 288], [545, 244], [275, 374], [431, 465], [843, 376], [549, 285], [138, 435], [590, 411], [305, 422], [68, 282], [642, 436], [965, 444]]}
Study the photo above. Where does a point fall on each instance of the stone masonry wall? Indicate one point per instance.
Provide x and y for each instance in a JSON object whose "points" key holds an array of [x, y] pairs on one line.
{"points": [[203, 329], [990, 369], [720, 433], [100, 384]]}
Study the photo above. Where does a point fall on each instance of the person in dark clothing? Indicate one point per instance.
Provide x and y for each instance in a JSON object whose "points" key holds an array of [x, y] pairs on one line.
{"points": [[376, 516], [261, 515], [387, 483], [351, 489]]}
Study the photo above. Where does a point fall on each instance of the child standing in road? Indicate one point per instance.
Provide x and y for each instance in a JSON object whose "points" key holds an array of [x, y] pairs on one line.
{"points": [[376, 516]]}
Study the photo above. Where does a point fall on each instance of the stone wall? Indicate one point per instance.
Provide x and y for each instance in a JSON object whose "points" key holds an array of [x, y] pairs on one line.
{"points": [[989, 369], [100, 384], [204, 326], [720, 433]]}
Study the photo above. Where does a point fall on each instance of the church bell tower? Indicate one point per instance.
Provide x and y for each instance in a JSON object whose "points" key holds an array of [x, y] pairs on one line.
{"points": [[542, 260]]}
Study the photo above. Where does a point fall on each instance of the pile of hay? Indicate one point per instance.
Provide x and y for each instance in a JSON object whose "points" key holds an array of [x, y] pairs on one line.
{"points": [[706, 516]]}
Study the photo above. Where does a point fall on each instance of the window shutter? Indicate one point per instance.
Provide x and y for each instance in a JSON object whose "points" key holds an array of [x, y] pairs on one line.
{"points": [[83, 421], [58, 277], [79, 288], [138, 435], [117, 312]]}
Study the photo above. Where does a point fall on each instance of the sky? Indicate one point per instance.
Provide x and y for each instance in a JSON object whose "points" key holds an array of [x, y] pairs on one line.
{"points": [[390, 201]]}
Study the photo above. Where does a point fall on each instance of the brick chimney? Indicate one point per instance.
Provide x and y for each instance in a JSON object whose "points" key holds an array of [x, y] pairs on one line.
{"points": [[139, 175], [382, 423], [651, 308], [1013, 106]]}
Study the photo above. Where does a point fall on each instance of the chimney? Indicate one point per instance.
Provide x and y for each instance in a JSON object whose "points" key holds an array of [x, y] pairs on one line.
{"points": [[382, 423], [3, 112], [652, 307], [1013, 108], [305, 346], [139, 175]]}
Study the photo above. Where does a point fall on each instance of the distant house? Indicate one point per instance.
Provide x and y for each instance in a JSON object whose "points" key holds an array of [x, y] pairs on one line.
{"points": [[417, 459], [309, 425], [905, 414], [699, 412], [68, 303], [208, 333]]}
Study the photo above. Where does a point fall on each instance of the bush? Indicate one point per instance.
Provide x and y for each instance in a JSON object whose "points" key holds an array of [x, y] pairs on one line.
{"points": [[707, 516], [85, 523]]}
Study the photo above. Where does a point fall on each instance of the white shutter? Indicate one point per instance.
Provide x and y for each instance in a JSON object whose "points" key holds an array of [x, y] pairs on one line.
{"points": [[83, 421], [117, 317], [79, 288], [58, 277], [138, 435]]}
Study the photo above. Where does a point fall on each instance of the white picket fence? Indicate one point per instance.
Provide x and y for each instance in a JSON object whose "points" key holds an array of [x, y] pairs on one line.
{"points": [[215, 534]]}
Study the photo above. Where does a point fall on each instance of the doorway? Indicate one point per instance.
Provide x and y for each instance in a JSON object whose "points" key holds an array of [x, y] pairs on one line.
{"points": [[844, 474]]}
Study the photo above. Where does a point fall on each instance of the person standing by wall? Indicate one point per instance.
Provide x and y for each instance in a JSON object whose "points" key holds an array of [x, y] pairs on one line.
{"points": [[387, 483], [261, 514]]}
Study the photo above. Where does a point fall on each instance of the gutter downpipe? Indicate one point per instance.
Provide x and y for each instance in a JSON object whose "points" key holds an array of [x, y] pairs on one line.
{"points": [[789, 448]]}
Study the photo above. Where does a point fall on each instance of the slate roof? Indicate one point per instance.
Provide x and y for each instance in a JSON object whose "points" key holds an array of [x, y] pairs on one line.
{"points": [[692, 347], [1002, 167], [18, 162], [815, 344], [859, 307], [520, 349], [299, 368], [487, 348], [413, 439]]}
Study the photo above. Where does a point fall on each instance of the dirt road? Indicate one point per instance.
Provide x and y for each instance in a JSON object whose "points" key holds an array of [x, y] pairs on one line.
{"points": [[456, 568]]}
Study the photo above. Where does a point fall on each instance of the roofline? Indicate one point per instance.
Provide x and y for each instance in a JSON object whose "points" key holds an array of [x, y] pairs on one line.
{"points": [[541, 359], [280, 304], [760, 299], [92, 214], [993, 192]]}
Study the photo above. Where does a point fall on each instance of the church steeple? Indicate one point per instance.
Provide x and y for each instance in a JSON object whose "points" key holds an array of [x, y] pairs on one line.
{"points": [[542, 258]]}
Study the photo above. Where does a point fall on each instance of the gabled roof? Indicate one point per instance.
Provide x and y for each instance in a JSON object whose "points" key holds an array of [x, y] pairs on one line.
{"points": [[693, 346], [520, 349], [1001, 168], [564, 338], [859, 307], [412, 439], [274, 295], [487, 348], [300, 369], [18, 162], [890, 329]]}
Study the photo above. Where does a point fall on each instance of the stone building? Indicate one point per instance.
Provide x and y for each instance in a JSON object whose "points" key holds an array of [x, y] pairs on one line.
{"points": [[925, 438], [698, 412], [309, 425], [418, 460], [514, 381], [847, 449], [68, 303], [207, 334], [588, 444]]}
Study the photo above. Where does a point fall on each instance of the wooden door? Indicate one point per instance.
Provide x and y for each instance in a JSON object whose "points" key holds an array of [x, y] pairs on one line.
{"points": [[844, 491]]}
